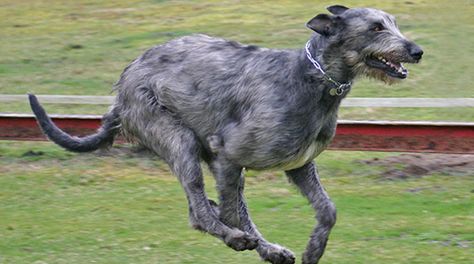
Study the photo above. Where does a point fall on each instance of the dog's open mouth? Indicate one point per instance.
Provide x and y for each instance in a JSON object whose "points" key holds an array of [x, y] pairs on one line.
{"points": [[390, 67]]}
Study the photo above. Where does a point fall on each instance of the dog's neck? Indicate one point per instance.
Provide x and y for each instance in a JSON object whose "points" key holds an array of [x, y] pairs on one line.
{"points": [[329, 58]]}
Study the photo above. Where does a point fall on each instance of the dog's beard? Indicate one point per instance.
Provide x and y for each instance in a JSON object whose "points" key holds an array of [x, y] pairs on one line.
{"points": [[377, 74], [359, 68]]}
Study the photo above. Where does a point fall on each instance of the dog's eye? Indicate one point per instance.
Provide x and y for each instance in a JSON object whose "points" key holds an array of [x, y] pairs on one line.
{"points": [[378, 27]]}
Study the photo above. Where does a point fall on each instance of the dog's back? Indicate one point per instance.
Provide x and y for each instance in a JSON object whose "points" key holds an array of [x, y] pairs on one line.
{"points": [[214, 86]]}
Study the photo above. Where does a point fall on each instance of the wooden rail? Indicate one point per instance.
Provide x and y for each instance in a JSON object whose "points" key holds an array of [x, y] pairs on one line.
{"points": [[441, 137], [348, 102]]}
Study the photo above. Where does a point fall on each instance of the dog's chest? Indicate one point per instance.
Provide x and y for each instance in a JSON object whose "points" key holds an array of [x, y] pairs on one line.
{"points": [[312, 146]]}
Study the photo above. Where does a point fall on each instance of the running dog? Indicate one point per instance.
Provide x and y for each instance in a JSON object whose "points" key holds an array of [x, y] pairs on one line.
{"points": [[234, 106]]}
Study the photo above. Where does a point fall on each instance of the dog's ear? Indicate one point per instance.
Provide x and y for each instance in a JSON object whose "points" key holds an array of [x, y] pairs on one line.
{"points": [[323, 24], [337, 9]]}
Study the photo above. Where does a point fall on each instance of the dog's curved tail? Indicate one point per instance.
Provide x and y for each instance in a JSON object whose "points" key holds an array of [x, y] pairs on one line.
{"points": [[104, 137]]}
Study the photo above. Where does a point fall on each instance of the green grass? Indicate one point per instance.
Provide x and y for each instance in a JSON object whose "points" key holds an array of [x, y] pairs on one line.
{"points": [[81, 47], [59, 207]]}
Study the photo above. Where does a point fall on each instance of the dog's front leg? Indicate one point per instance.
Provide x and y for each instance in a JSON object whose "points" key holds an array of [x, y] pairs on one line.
{"points": [[233, 210], [307, 179]]}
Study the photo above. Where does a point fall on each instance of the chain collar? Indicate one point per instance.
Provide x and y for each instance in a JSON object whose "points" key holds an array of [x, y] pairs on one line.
{"points": [[340, 88]]}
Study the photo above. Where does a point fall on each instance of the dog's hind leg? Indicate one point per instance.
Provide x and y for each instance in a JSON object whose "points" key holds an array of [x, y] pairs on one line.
{"points": [[270, 252], [180, 148], [307, 179], [233, 209]]}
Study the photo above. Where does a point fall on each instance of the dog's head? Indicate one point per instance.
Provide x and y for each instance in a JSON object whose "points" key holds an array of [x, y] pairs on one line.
{"points": [[368, 41]]}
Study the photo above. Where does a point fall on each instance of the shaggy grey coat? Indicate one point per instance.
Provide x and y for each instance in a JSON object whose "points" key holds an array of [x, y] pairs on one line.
{"points": [[199, 98]]}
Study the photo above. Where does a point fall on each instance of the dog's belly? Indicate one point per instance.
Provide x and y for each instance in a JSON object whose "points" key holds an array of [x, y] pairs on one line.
{"points": [[303, 156], [285, 147], [281, 158]]}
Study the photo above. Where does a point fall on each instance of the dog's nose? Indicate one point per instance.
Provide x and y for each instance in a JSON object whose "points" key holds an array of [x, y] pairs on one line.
{"points": [[415, 51]]}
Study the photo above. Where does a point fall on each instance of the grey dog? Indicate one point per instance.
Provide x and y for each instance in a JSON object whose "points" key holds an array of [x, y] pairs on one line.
{"points": [[234, 106]]}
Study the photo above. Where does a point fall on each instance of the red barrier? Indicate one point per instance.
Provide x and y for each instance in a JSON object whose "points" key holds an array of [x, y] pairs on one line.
{"points": [[441, 137], [405, 136]]}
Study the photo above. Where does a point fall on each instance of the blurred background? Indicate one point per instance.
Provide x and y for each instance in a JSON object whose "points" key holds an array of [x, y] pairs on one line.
{"points": [[120, 207], [81, 47]]}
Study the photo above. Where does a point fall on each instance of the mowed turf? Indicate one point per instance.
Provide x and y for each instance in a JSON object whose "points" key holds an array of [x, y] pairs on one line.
{"points": [[59, 207], [118, 207], [80, 47]]}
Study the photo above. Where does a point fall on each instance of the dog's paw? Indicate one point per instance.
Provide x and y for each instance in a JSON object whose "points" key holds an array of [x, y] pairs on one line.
{"points": [[240, 241], [276, 254]]}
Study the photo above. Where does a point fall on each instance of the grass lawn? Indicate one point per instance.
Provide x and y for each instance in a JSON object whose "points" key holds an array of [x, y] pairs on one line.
{"points": [[59, 207], [80, 47]]}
